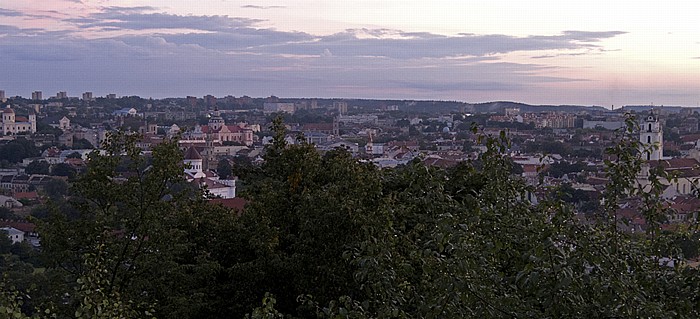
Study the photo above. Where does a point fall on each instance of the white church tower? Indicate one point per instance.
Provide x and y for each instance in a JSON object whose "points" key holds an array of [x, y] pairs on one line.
{"points": [[651, 138], [193, 164]]}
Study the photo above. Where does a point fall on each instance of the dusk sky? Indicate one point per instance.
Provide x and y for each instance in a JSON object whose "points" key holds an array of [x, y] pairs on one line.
{"points": [[539, 52]]}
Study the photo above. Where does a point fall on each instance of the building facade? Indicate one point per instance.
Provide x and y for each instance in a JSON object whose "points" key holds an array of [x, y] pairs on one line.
{"points": [[651, 138], [13, 125]]}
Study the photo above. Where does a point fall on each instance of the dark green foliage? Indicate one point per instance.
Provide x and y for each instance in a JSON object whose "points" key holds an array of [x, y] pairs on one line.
{"points": [[224, 169], [56, 188], [63, 169], [38, 167], [82, 143], [18, 149], [328, 236], [561, 168], [7, 214]]}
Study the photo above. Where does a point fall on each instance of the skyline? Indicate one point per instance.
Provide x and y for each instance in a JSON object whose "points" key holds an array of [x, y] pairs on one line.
{"points": [[547, 52]]}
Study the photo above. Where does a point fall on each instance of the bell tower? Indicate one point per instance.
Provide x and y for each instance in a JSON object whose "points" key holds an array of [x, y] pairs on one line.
{"points": [[651, 138]]}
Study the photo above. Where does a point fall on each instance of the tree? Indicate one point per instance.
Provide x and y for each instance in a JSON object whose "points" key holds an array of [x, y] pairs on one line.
{"points": [[332, 237], [17, 150], [63, 169], [6, 213], [139, 236], [38, 167], [56, 188], [82, 143], [224, 169]]}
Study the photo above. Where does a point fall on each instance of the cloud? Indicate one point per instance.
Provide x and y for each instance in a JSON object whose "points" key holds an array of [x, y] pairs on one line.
{"points": [[250, 6], [426, 45], [230, 55], [134, 19], [591, 36], [137, 9], [474, 85], [564, 54], [10, 13]]}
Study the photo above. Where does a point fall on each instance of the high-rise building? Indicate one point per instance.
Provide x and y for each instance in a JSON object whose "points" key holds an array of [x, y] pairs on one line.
{"points": [[209, 100], [111, 96], [87, 96], [62, 95], [36, 95], [341, 107], [2, 95]]}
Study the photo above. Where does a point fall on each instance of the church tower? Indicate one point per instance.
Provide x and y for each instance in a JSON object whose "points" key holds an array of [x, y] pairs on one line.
{"points": [[651, 138], [193, 163], [216, 121]]}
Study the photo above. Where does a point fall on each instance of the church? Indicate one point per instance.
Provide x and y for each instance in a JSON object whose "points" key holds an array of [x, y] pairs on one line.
{"points": [[12, 125], [685, 170], [195, 174]]}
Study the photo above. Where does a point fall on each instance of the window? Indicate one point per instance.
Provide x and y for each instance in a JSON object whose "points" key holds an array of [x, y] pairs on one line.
{"points": [[648, 139], [649, 130]]}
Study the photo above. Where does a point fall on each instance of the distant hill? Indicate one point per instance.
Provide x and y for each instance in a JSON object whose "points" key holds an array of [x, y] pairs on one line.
{"points": [[500, 106], [423, 106]]}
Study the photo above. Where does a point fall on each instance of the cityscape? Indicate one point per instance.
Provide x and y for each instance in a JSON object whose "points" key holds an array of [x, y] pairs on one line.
{"points": [[297, 159]]}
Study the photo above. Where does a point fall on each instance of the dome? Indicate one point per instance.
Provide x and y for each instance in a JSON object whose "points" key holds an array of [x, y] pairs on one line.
{"points": [[8, 110]]}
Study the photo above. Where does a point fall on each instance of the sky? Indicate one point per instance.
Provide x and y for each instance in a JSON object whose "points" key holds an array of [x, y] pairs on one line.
{"points": [[539, 52]]}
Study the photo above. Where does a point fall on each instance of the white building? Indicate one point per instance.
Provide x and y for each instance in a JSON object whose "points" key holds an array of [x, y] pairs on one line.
{"points": [[270, 107], [651, 138], [15, 235], [195, 174], [11, 126]]}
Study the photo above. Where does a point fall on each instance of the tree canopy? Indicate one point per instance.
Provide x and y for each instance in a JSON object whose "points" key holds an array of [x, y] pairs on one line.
{"points": [[328, 236]]}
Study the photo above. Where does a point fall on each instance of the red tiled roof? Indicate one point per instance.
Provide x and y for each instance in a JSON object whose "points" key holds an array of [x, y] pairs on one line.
{"points": [[690, 138], [19, 225], [25, 195], [236, 203], [677, 163]]}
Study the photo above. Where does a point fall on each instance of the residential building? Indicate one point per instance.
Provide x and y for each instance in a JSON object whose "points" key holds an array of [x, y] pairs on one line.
{"points": [[62, 95], [36, 96], [15, 235], [273, 107], [341, 107]]}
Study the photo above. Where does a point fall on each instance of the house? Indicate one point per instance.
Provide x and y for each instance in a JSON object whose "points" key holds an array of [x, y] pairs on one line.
{"points": [[9, 202], [125, 112], [15, 235], [27, 229]]}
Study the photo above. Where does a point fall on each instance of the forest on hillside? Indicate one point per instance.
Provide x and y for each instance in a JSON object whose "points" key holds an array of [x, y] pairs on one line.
{"points": [[328, 236]]}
